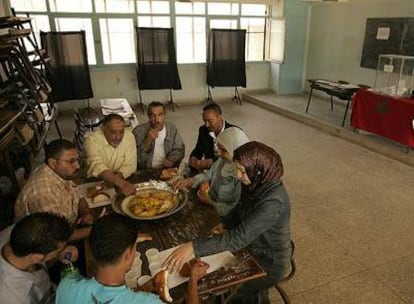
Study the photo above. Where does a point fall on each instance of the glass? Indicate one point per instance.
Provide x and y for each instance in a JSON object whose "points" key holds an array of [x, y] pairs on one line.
{"points": [[254, 37], [253, 9], [277, 40], [28, 5], [117, 36], [80, 6], [114, 6], [223, 24], [153, 21], [153, 7], [191, 39], [77, 24], [190, 8]]}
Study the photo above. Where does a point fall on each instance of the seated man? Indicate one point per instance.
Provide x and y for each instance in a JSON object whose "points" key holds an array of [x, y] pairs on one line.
{"points": [[25, 248], [50, 188], [158, 143], [203, 155], [112, 243], [111, 153]]}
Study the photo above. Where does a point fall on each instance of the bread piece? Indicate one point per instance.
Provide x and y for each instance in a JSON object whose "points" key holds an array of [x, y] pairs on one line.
{"points": [[142, 237], [168, 173], [92, 191], [100, 197], [161, 285]]}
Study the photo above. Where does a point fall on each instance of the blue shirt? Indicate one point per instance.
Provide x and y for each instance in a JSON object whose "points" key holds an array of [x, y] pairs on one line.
{"points": [[76, 289]]}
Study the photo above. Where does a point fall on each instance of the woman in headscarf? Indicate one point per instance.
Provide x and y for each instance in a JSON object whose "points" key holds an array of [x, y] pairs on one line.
{"points": [[221, 188], [261, 222]]}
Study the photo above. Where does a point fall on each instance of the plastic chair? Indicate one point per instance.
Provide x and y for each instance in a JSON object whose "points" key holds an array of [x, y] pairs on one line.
{"points": [[288, 277]]}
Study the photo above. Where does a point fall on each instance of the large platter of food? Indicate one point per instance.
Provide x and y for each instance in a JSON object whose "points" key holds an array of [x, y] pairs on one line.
{"points": [[153, 201]]}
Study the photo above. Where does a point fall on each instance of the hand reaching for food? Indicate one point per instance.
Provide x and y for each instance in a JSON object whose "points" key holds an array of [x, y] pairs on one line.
{"points": [[175, 261], [196, 269], [183, 183], [202, 193]]}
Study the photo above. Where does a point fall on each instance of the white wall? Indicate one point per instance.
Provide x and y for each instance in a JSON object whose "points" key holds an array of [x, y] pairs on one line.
{"points": [[336, 37], [121, 81]]}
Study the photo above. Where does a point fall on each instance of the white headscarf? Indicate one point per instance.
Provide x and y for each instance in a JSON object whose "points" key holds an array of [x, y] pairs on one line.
{"points": [[232, 138]]}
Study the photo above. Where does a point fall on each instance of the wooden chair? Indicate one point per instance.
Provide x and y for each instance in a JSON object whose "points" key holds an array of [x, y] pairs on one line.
{"points": [[288, 277]]}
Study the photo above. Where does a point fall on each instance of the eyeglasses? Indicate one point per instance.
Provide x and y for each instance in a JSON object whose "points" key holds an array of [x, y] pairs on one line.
{"points": [[70, 161]]}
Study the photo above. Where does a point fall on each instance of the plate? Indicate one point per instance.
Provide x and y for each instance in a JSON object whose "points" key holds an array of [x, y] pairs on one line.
{"points": [[121, 204], [110, 192]]}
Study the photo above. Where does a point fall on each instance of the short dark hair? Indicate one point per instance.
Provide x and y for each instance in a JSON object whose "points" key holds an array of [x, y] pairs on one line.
{"points": [[213, 107], [113, 116], [40, 232], [55, 148], [111, 235], [154, 104]]}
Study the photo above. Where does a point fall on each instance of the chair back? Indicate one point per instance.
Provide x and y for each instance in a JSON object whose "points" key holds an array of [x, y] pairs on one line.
{"points": [[289, 276]]}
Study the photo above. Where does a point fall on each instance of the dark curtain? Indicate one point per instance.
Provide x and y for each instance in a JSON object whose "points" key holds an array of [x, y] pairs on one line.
{"points": [[226, 65], [156, 59], [69, 69]]}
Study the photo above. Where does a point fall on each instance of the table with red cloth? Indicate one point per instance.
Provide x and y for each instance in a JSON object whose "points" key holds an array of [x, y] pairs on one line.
{"points": [[389, 116]]}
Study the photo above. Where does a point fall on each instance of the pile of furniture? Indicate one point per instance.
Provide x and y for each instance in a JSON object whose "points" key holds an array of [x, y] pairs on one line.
{"points": [[26, 109]]}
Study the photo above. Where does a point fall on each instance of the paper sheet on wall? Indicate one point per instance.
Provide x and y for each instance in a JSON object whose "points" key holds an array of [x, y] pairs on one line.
{"points": [[383, 33]]}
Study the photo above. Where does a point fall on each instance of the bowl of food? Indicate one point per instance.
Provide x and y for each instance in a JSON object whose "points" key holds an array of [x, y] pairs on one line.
{"points": [[151, 203]]}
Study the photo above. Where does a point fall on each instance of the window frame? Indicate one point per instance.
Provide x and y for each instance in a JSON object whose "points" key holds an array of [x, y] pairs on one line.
{"points": [[96, 16]]}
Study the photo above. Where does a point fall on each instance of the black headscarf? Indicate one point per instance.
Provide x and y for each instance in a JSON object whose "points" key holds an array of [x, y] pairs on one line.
{"points": [[262, 163]]}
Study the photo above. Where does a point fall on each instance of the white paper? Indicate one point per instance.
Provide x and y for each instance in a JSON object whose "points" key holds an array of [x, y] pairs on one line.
{"points": [[215, 261], [383, 33]]}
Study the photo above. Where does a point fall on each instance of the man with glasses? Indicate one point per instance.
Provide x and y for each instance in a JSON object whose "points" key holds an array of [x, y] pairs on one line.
{"points": [[25, 249], [51, 188], [111, 153]]}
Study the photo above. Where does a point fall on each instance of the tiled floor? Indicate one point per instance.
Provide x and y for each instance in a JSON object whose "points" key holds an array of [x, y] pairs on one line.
{"points": [[352, 208]]}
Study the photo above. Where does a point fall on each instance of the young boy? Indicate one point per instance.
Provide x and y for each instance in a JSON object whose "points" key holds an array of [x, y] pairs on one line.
{"points": [[112, 243]]}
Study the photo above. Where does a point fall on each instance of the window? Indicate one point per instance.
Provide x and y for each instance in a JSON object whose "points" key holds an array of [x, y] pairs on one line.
{"points": [[191, 39], [277, 40], [254, 22], [153, 7], [28, 5], [190, 32], [118, 43], [110, 32], [78, 6], [223, 24], [254, 37], [114, 6], [223, 9]]}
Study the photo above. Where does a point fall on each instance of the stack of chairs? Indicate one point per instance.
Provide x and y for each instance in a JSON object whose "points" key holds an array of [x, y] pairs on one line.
{"points": [[85, 121]]}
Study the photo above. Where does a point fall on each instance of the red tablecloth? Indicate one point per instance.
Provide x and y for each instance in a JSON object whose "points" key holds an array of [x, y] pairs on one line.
{"points": [[384, 115]]}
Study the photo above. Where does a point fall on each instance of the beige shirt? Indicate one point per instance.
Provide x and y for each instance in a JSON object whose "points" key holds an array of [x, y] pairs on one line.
{"points": [[101, 156], [47, 191]]}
